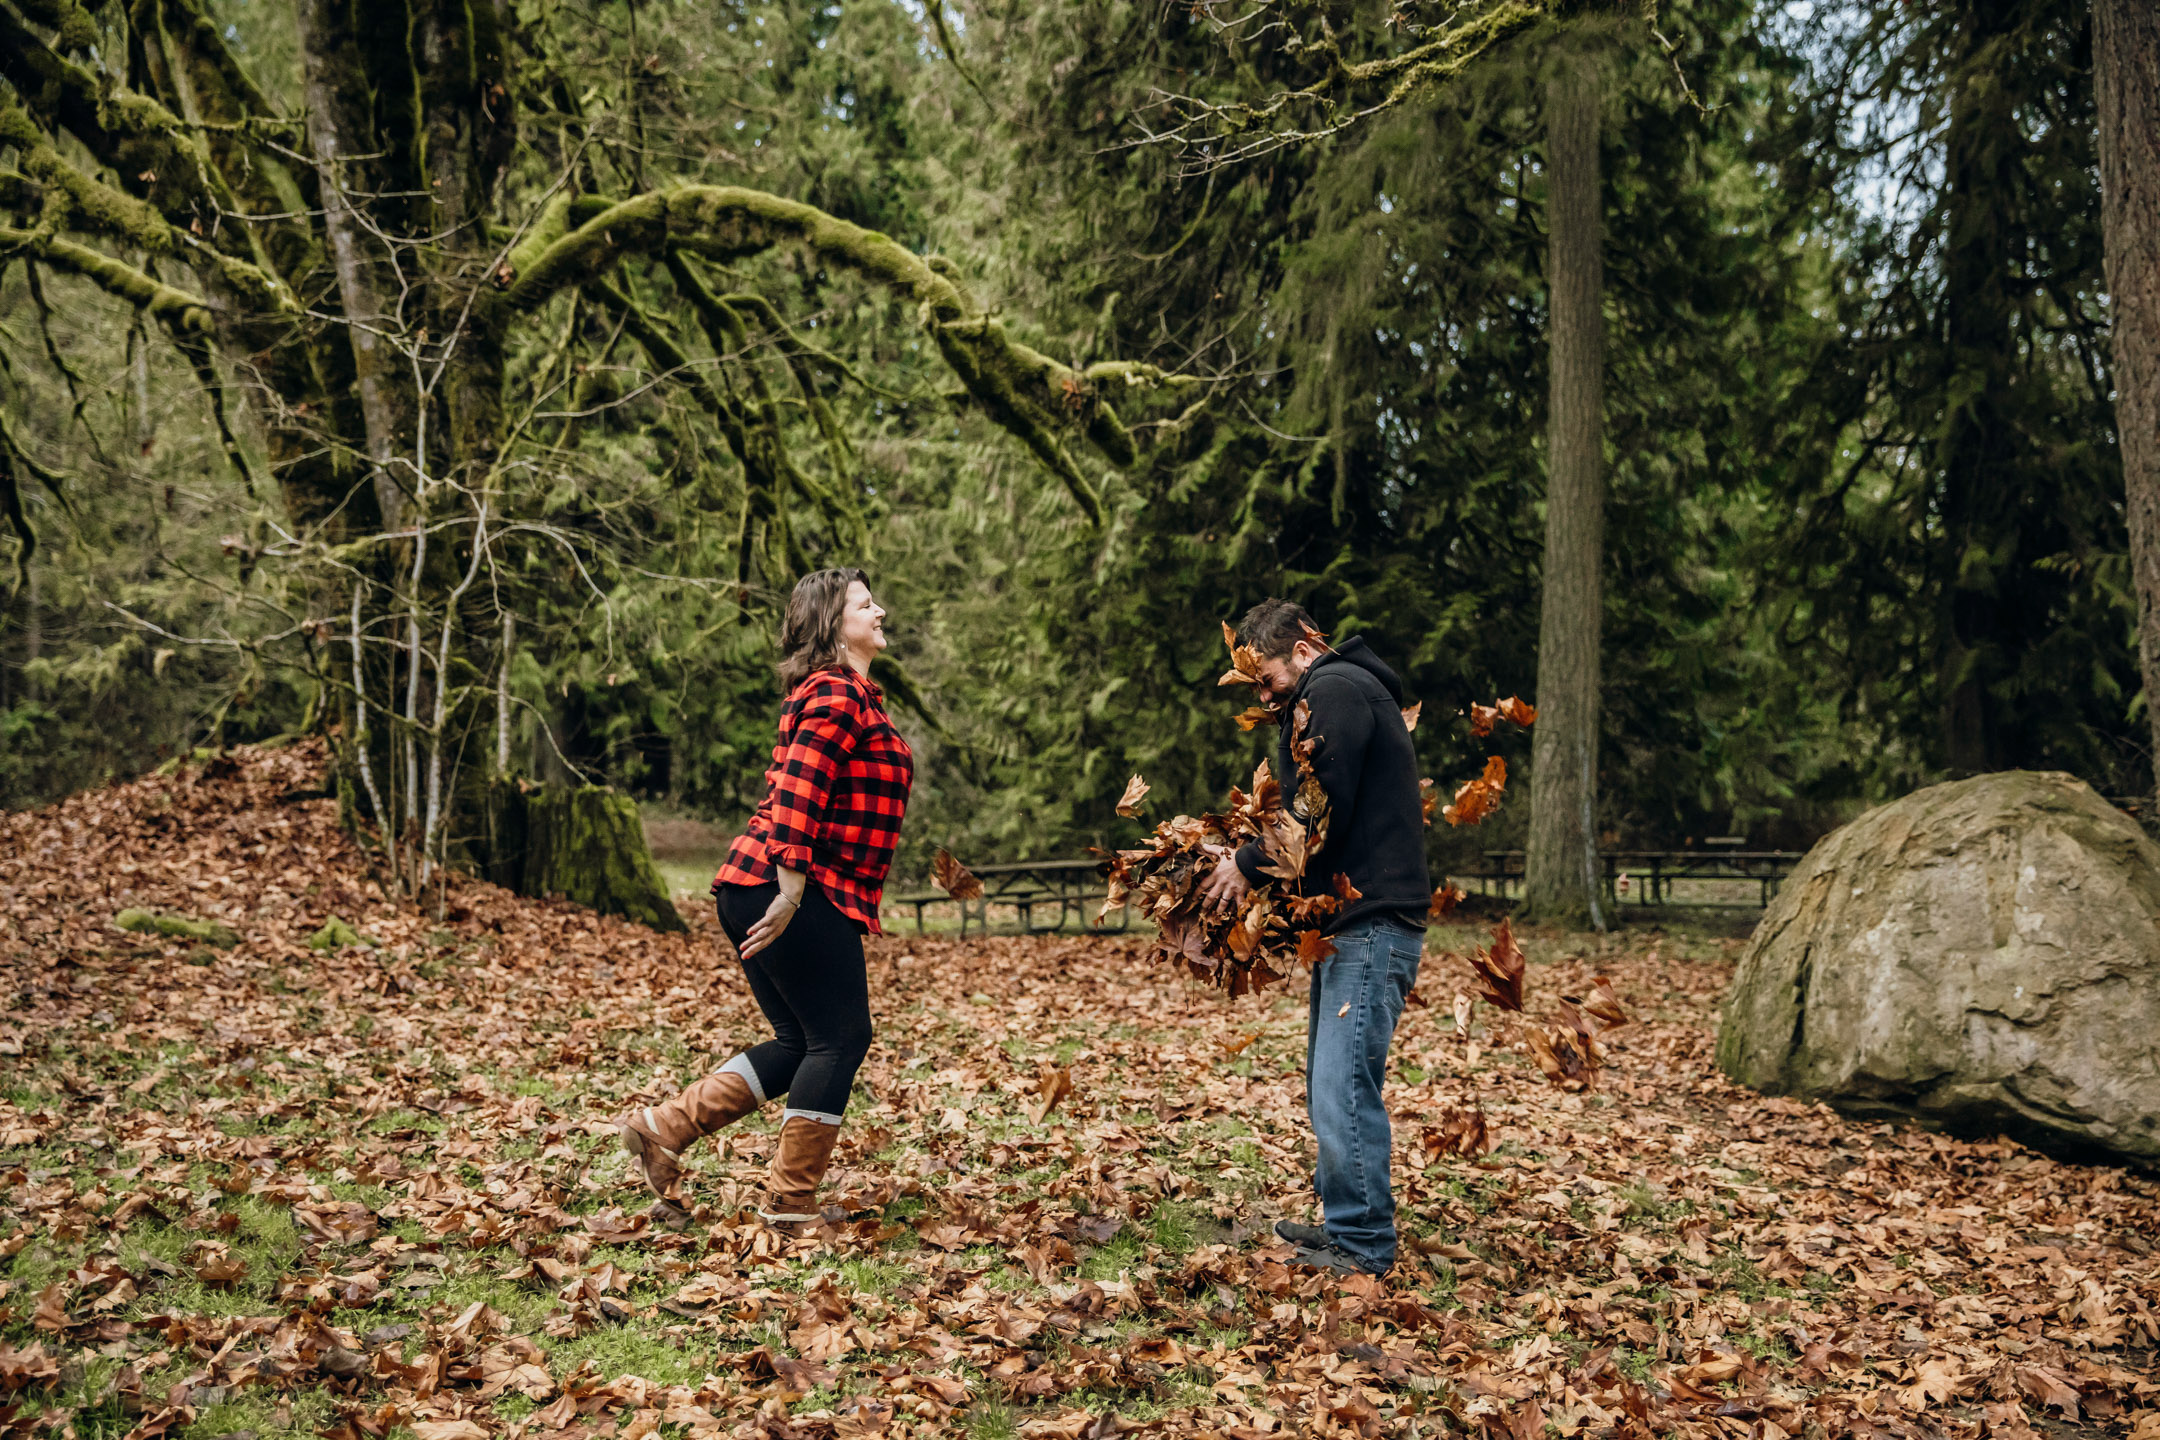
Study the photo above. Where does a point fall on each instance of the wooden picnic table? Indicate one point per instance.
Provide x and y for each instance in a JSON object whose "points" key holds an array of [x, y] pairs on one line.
{"points": [[1073, 888], [1650, 874]]}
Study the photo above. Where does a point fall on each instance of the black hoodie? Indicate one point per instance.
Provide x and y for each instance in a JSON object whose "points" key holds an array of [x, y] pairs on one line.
{"points": [[1365, 762]]}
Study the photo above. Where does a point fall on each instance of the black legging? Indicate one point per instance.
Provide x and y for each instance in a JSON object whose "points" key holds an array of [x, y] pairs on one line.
{"points": [[815, 993]]}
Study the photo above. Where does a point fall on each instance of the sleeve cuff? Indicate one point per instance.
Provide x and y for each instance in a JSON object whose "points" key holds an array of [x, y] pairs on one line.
{"points": [[791, 857], [1250, 857]]}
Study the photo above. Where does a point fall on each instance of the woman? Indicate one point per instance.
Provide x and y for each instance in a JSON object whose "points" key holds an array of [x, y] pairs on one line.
{"points": [[798, 892]]}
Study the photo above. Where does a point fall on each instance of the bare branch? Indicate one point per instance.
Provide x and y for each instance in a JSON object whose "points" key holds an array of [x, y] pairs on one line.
{"points": [[1211, 135]]}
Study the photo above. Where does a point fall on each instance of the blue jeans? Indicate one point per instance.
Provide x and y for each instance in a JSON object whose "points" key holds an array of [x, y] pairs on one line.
{"points": [[1373, 969]]}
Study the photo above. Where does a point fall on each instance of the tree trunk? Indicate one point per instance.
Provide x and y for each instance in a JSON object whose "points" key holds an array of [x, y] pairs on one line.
{"points": [[2126, 64], [1562, 871], [1977, 458], [587, 844], [334, 84]]}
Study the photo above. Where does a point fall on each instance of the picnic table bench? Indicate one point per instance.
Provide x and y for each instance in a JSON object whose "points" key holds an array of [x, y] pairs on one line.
{"points": [[1071, 889], [1646, 877]]}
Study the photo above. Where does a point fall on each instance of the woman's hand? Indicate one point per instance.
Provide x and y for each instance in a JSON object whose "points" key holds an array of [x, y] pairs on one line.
{"points": [[778, 914]]}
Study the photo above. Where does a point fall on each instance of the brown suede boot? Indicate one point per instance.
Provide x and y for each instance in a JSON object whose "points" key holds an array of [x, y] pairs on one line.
{"points": [[655, 1134], [806, 1147]]}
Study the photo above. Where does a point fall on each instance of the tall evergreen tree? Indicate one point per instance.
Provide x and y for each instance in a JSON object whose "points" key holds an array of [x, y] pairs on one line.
{"points": [[1956, 538], [1561, 879], [2126, 62]]}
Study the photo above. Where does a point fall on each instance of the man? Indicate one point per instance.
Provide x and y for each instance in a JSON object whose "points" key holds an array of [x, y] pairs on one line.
{"points": [[1364, 760]]}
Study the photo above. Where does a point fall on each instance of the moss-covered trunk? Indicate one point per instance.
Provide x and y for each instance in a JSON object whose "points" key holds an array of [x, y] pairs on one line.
{"points": [[581, 843]]}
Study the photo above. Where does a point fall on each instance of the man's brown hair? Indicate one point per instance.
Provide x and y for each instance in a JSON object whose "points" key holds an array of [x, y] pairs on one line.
{"points": [[1272, 627]]}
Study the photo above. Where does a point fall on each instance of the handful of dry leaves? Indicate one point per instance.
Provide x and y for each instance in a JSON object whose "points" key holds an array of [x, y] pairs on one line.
{"points": [[1277, 927]]}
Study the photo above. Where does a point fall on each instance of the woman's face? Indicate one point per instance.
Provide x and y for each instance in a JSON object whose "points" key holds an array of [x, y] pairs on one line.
{"points": [[862, 623]]}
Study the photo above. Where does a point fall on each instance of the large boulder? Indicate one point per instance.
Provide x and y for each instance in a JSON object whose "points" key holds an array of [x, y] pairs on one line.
{"points": [[1982, 955]]}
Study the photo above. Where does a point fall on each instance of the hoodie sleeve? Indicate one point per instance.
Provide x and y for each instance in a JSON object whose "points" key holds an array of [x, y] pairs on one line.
{"points": [[1342, 726]]}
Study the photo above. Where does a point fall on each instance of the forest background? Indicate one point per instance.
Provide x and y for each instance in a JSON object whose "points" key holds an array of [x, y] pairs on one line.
{"points": [[1864, 527]]}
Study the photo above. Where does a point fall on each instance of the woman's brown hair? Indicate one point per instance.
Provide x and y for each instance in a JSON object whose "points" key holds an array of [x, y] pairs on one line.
{"points": [[810, 631]]}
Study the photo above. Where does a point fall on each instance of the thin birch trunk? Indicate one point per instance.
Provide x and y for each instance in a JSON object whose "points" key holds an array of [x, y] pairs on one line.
{"points": [[360, 735], [414, 655], [442, 700], [502, 695]]}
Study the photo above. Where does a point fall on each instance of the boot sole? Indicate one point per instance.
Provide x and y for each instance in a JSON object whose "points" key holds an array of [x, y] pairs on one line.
{"points": [[633, 1144]]}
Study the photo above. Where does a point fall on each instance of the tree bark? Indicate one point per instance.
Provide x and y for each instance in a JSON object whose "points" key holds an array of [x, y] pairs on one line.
{"points": [[2126, 64], [1561, 871], [1977, 458], [334, 84], [587, 844]]}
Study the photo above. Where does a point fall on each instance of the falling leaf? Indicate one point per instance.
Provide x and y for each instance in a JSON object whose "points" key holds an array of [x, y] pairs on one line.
{"points": [[1564, 1053], [1603, 1003], [1462, 1132], [1514, 710], [1051, 1086], [1244, 661], [954, 878], [1128, 804], [1498, 972], [1476, 799], [1344, 1011], [1444, 901], [1410, 715]]}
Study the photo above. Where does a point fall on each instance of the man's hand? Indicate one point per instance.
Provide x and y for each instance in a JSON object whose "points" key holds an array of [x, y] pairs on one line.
{"points": [[1227, 887]]}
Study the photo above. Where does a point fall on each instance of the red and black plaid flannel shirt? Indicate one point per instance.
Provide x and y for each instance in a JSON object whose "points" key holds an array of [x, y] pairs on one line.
{"points": [[833, 797]]}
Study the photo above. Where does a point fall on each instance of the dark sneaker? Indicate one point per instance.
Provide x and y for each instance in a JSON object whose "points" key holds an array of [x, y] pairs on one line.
{"points": [[1309, 1237], [1328, 1257]]}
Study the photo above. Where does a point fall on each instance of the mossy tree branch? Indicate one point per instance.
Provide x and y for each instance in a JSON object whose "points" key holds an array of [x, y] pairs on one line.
{"points": [[77, 30], [175, 309], [74, 200], [1031, 395], [123, 129]]}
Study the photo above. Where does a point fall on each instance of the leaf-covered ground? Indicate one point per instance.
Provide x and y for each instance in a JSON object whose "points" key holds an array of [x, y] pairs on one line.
{"points": [[374, 1190]]}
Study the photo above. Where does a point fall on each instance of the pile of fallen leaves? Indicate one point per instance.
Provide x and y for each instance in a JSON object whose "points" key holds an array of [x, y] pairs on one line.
{"points": [[372, 1188], [1278, 926]]}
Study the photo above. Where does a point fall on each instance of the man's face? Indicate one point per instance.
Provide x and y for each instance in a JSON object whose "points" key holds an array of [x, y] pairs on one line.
{"points": [[1279, 674]]}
